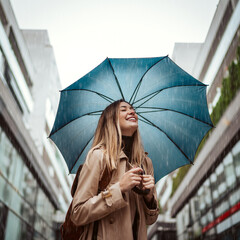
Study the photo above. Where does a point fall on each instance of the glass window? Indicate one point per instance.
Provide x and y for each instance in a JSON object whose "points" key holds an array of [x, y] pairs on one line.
{"points": [[11, 162], [195, 211], [221, 208], [229, 170], [2, 62], [45, 209], [28, 186], [26, 231], [38, 236], [202, 204], [221, 181], [214, 186], [207, 193], [203, 220], [3, 219], [6, 154], [236, 158], [21, 192], [234, 197], [5, 193], [207, 218], [13, 227], [27, 212], [186, 216], [210, 216], [180, 226]]}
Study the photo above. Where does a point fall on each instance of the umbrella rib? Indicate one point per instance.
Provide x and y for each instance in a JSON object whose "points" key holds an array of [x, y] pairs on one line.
{"points": [[91, 113], [151, 123], [158, 91], [87, 90], [166, 109], [118, 84], [135, 92], [80, 154]]}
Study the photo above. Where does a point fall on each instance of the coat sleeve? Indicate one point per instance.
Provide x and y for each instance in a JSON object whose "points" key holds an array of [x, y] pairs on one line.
{"points": [[89, 206], [151, 214]]}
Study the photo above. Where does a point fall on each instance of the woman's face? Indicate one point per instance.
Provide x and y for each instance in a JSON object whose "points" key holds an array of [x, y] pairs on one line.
{"points": [[128, 119]]}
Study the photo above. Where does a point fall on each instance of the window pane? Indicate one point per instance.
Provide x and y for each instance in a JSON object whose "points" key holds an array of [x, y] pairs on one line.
{"points": [[221, 208], [229, 170], [207, 193], [236, 158], [221, 181], [3, 219], [28, 186], [235, 197]]}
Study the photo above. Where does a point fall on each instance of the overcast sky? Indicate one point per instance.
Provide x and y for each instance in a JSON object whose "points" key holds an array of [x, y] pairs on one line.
{"points": [[84, 32]]}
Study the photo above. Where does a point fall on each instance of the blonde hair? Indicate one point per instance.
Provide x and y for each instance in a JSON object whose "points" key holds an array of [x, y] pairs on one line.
{"points": [[108, 136]]}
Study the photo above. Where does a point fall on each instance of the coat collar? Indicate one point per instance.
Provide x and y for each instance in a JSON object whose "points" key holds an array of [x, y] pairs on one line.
{"points": [[122, 156]]}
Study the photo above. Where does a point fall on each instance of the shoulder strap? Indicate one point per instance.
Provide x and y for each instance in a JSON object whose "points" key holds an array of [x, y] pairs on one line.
{"points": [[75, 181], [105, 180]]}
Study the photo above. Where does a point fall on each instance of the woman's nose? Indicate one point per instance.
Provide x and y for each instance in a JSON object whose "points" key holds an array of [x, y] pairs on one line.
{"points": [[131, 111]]}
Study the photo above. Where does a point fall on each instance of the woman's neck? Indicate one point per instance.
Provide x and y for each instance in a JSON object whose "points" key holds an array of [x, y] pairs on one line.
{"points": [[127, 142]]}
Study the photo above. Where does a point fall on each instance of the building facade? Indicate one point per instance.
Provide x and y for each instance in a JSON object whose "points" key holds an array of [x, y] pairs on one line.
{"points": [[207, 202], [34, 186]]}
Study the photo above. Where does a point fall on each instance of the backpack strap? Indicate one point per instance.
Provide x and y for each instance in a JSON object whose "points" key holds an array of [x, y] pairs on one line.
{"points": [[105, 180], [75, 181]]}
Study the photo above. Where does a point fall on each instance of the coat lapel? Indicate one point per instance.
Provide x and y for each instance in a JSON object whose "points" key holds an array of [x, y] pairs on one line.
{"points": [[121, 169]]}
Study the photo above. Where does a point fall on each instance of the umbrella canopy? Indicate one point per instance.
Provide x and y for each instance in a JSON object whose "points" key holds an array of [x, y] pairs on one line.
{"points": [[170, 103]]}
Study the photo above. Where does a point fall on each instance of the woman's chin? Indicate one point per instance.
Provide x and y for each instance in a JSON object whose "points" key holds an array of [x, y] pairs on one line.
{"points": [[130, 131]]}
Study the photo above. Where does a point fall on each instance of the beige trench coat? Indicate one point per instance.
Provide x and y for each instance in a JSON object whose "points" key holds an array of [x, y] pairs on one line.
{"points": [[113, 213]]}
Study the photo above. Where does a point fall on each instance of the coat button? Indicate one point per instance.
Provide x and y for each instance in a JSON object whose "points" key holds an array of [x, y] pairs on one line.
{"points": [[111, 220]]}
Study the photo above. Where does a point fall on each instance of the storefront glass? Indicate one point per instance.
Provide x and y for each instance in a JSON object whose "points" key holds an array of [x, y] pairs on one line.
{"points": [[214, 209], [26, 208]]}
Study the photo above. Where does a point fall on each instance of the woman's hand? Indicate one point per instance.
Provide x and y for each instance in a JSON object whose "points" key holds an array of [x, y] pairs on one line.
{"points": [[130, 179], [148, 183]]}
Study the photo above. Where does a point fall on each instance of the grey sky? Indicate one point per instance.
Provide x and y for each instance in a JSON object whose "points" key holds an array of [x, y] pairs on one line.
{"points": [[85, 32]]}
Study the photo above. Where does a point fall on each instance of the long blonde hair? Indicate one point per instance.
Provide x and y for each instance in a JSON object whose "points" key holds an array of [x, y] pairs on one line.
{"points": [[108, 136]]}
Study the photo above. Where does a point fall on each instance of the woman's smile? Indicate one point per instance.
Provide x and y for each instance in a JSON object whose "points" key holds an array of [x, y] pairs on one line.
{"points": [[133, 119]]}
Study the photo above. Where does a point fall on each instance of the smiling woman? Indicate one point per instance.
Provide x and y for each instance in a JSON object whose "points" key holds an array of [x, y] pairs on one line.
{"points": [[117, 212], [128, 119]]}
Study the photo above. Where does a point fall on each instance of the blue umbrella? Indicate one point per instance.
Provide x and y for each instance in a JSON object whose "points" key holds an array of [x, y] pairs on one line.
{"points": [[170, 103]]}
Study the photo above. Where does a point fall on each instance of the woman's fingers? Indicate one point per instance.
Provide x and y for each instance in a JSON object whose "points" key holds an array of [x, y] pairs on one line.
{"points": [[148, 181], [147, 178], [136, 170], [136, 178], [151, 186], [130, 179]]}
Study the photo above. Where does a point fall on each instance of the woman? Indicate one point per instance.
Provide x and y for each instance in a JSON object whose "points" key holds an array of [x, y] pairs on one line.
{"points": [[120, 212]]}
